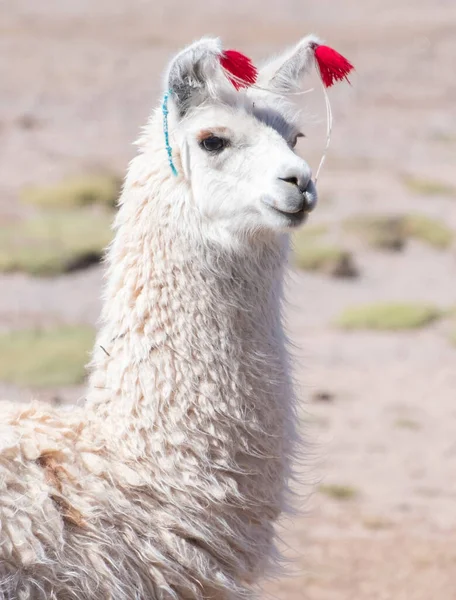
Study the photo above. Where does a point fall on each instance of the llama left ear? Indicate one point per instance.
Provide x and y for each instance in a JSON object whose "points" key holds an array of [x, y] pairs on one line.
{"points": [[283, 73], [194, 72]]}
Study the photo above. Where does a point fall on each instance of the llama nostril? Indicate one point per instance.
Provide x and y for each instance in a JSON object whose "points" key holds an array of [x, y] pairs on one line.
{"points": [[303, 188], [310, 196]]}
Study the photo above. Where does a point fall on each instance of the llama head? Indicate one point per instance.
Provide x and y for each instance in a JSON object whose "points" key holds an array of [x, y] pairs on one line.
{"points": [[235, 148]]}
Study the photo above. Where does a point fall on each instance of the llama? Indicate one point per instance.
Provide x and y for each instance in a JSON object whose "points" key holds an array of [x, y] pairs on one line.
{"points": [[168, 483]]}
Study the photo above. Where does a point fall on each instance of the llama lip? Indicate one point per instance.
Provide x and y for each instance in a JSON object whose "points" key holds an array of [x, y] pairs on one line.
{"points": [[293, 217]]}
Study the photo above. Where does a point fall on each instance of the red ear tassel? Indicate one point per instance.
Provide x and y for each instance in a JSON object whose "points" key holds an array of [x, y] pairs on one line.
{"points": [[240, 66], [332, 65]]}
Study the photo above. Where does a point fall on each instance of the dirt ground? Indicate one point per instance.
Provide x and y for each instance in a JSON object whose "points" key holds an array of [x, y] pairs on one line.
{"points": [[78, 79]]}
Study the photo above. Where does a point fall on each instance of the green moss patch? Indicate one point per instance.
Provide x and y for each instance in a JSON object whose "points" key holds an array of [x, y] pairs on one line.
{"points": [[313, 254], [428, 230], [392, 316], [45, 358], [388, 232], [406, 423], [75, 191], [453, 337], [379, 231], [338, 492], [326, 259], [54, 243], [377, 523], [310, 233], [428, 187]]}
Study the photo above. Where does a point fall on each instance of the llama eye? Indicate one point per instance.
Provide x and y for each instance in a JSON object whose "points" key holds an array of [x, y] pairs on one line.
{"points": [[213, 143]]}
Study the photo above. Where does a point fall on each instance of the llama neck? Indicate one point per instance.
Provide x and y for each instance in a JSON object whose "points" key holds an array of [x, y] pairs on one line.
{"points": [[181, 320], [191, 338], [190, 381]]}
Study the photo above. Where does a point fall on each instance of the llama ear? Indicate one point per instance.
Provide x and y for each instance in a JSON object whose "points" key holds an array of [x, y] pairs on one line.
{"points": [[194, 72], [283, 73]]}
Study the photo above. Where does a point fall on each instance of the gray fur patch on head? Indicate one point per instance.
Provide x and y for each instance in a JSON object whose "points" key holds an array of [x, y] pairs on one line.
{"points": [[195, 73], [286, 127], [271, 110]]}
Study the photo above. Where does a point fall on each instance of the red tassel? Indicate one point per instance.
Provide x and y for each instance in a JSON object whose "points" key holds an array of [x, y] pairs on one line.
{"points": [[240, 66], [332, 65]]}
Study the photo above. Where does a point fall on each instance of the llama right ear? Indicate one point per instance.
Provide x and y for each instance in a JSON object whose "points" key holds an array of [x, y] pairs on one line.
{"points": [[283, 74], [194, 73]]}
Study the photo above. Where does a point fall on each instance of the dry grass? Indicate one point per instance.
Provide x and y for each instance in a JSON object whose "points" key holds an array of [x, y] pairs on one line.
{"points": [[54, 243], [102, 189], [428, 187], [45, 357], [391, 232], [393, 316]]}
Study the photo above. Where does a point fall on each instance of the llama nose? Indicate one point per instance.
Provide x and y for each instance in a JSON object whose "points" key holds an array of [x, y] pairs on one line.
{"points": [[307, 188]]}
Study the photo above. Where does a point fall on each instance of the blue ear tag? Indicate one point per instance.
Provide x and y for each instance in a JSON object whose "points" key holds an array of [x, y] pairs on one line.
{"points": [[169, 150]]}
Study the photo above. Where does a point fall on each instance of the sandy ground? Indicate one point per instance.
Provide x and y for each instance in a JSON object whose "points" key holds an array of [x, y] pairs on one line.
{"points": [[78, 79]]}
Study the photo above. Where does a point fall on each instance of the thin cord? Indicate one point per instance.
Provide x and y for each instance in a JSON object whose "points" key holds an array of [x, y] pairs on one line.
{"points": [[329, 116], [329, 124], [169, 150]]}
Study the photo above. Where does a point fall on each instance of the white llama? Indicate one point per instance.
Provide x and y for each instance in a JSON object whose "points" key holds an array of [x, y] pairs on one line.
{"points": [[167, 484]]}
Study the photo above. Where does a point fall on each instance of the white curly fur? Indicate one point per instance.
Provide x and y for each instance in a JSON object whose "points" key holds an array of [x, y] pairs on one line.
{"points": [[168, 482]]}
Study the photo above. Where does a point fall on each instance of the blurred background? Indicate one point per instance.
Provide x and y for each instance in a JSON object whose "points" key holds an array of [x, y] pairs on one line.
{"points": [[372, 279]]}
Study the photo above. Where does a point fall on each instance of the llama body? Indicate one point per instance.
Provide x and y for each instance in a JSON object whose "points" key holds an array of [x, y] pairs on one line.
{"points": [[169, 482], [188, 432]]}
